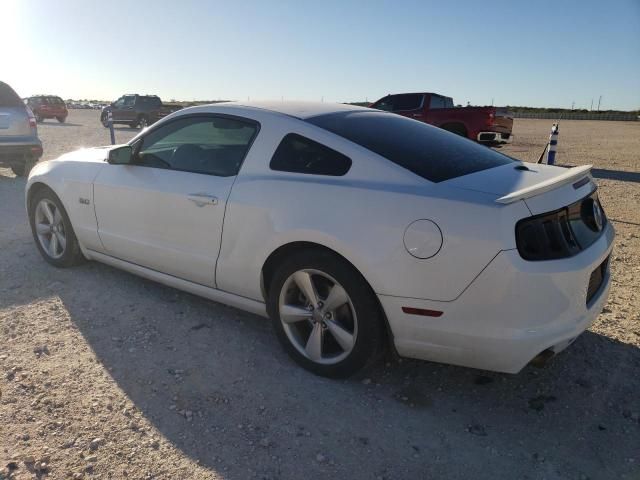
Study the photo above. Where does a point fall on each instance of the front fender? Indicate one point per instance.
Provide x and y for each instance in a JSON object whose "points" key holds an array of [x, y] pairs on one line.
{"points": [[72, 182]]}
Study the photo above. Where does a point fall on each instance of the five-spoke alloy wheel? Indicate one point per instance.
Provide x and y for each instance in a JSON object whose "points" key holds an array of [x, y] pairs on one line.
{"points": [[325, 314], [52, 229], [318, 316]]}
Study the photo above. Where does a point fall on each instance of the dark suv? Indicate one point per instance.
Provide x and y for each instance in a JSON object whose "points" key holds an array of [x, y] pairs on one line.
{"points": [[137, 110], [20, 147], [47, 106]]}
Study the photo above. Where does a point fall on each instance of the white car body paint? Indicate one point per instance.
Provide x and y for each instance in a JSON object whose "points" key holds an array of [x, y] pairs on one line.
{"points": [[499, 310]]}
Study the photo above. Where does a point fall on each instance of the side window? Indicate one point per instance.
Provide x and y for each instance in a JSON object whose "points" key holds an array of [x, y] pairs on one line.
{"points": [[119, 103], [437, 102], [408, 101], [129, 100], [203, 144], [301, 155]]}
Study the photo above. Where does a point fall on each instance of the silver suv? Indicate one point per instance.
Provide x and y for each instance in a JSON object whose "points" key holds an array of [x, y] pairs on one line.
{"points": [[20, 147]]}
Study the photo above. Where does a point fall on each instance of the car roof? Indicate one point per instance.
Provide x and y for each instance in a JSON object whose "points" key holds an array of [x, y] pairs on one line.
{"points": [[300, 110]]}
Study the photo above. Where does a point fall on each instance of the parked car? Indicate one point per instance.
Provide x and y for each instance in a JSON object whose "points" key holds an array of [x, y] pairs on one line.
{"points": [[137, 111], [20, 147], [351, 228], [47, 106], [483, 124]]}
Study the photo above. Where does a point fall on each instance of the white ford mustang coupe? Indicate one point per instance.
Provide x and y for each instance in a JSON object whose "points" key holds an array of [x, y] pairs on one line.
{"points": [[350, 228]]}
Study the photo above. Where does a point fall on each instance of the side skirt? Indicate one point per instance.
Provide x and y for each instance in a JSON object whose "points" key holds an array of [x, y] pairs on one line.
{"points": [[219, 296]]}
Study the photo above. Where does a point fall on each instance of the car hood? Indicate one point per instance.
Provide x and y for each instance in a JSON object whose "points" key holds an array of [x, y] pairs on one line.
{"points": [[95, 154]]}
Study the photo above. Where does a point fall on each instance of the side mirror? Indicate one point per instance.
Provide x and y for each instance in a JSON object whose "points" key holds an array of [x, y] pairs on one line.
{"points": [[121, 155]]}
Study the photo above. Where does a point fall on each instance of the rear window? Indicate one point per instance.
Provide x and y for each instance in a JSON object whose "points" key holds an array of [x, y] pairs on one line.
{"points": [[430, 152], [151, 101], [438, 102], [9, 98], [55, 101]]}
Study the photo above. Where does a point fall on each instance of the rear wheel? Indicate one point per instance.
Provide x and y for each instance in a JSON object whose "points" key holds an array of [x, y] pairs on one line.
{"points": [[39, 118], [52, 230], [142, 122], [325, 314], [23, 168], [61, 119]]}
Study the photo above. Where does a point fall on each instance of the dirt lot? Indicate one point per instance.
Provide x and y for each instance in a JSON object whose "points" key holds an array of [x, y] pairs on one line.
{"points": [[105, 375]]}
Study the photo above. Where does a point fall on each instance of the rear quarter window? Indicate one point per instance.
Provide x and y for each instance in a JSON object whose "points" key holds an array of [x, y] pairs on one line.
{"points": [[298, 154], [427, 151]]}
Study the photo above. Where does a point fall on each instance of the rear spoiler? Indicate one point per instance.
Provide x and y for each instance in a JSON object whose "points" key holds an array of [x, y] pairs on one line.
{"points": [[567, 177]]}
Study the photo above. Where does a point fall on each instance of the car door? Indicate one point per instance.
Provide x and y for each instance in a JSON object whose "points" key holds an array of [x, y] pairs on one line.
{"points": [[165, 210], [409, 105], [117, 109], [127, 113]]}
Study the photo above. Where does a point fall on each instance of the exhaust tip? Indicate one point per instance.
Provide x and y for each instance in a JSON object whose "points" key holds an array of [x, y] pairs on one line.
{"points": [[540, 360]]}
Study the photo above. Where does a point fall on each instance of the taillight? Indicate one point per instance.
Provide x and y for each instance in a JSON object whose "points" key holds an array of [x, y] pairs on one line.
{"points": [[492, 116], [562, 233], [32, 118]]}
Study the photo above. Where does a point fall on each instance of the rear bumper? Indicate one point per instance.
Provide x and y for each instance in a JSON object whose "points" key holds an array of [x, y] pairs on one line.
{"points": [[51, 113], [514, 310], [15, 148], [494, 137]]}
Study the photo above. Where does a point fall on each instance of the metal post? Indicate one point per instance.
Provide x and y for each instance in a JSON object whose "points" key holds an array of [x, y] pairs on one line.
{"points": [[111, 131], [553, 143]]}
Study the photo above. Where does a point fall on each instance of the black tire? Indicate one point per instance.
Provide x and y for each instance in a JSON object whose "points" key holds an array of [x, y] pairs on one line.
{"points": [[61, 119], [72, 255], [141, 123], [104, 121], [39, 118], [24, 168], [370, 323]]}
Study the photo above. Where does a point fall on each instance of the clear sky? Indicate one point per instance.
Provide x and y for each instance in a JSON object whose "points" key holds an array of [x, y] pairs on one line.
{"points": [[529, 52]]}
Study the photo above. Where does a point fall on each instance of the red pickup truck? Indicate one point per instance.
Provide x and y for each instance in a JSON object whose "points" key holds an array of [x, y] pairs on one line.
{"points": [[483, 124]]}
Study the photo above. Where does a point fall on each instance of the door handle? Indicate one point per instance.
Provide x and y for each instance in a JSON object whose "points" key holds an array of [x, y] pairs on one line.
{"points": [[202, 199]]}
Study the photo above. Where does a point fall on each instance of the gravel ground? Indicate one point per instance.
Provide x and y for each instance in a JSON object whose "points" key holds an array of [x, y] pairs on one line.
{"points": [[106, 375]]}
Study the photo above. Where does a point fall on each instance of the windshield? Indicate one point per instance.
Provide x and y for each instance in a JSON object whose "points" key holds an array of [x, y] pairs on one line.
{"points": [[430, 152]]}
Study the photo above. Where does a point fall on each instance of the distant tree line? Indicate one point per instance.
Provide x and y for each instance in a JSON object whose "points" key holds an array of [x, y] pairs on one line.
{"points": [[515, 108]]}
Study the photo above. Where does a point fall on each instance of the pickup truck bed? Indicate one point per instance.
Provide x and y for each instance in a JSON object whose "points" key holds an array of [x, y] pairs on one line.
{"points": [[482, 124]]}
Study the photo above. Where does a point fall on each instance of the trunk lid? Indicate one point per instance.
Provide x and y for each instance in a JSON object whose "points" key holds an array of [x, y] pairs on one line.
{"points": [[544, 188]]}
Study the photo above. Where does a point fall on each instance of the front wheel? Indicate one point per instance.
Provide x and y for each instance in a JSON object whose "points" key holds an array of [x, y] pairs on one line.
{"points": [[325, 314], [52, 230], [61, 119], [104, 120]]}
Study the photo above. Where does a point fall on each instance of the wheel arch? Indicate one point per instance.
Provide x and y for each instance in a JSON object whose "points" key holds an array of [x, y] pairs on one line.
{"points": [[457, 127], [270, 264], [36, 187]]}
